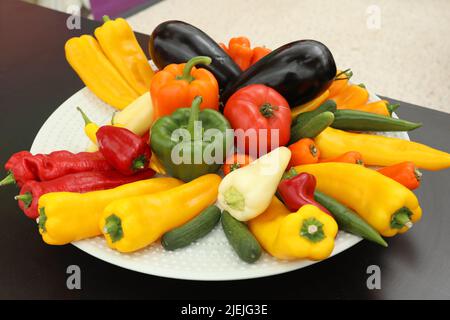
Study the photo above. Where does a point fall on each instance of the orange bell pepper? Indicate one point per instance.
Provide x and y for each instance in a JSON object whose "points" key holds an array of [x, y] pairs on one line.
{"points": [[348, 157], [304, 151], [381, 107], [178, 84], [350, 96], [405, 173], [340, 82], [259, 53]]}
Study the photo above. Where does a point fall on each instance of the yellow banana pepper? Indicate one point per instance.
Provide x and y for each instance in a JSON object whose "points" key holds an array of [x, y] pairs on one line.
{"points": [[311, 105], [68, 216], [136, 117], [380, 150], [97, 72], [308, 233], [119, 44], [385, 204], [133, 223], [90, 128]]}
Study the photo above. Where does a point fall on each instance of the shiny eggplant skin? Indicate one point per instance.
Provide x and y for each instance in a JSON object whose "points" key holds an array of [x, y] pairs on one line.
{"points": [[177, 41], [299, 71]]}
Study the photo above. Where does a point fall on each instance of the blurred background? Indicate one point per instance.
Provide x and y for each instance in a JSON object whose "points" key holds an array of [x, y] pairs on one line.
{"points": [[397, 48]]}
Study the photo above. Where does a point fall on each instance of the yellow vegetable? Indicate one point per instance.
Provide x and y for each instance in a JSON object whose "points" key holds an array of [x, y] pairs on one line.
{"points": [[90, 128], [119, 44], [98, 74], [137, 116], [385, 204], [68, 216], [133, 223], [308, 233], [313, 104], [380, 150]]}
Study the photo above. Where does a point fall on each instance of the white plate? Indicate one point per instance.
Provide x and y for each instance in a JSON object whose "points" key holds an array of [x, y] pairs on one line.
{"points": [[210, 258]]}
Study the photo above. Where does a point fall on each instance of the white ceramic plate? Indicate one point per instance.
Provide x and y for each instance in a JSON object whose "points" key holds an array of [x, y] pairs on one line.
{"points": [[210, 258]]}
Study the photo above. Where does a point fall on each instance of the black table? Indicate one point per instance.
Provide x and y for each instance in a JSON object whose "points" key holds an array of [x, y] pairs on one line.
{"points": [[36, 79]]}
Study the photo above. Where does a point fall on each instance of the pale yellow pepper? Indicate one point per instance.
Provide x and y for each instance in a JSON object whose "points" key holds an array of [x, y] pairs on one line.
{"points": [[308, 233], [385, 204], [380, 150], [68, 216], [311, 105], [133, 223]]}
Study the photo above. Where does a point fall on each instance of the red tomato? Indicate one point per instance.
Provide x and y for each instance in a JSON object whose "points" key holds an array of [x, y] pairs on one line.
{"points": [[259, 107]]}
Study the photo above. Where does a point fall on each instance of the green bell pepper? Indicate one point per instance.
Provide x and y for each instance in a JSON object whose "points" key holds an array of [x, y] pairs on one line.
{"points": [[195, 151]]}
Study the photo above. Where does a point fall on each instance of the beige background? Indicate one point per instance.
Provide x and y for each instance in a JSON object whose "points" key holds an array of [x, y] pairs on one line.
{"points": [[407, 57]]}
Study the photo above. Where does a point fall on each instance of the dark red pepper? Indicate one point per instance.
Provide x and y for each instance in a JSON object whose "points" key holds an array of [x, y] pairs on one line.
{"points": [[76, 182], [24, 167], [298, 190], [124, 150]]}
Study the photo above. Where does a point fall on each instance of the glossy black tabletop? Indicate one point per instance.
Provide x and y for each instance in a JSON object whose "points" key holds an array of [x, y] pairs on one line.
{"points": [[36, 79]]}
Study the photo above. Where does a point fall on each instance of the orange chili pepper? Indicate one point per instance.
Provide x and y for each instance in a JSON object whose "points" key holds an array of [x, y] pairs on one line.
{"points": [[304, 151], [236, 161], [259, 53], [348, 157], [405, 173], [350, 96], [381, 107], [178, 84], [340, 82], [240, 51]]}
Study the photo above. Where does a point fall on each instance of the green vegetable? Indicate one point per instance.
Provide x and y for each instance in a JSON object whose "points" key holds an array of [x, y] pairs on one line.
{"points": [[189, 161], [304, 117], [365, 121], [311, 128], [240, 238], [193, 230], [348, 220]]}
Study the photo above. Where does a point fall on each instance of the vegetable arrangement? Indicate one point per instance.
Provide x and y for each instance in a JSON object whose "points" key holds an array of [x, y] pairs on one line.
{"points": [[304, 179]]}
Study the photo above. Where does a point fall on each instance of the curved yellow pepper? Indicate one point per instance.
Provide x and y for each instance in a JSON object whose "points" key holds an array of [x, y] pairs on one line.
{"points": [[136, 222], [380, 150], [97, 72], [385, 204], [68, 216], [308, 233], [311, 105], [119, 44]]}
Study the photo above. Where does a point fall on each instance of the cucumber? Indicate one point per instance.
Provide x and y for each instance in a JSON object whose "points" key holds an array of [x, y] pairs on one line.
{"points": [[240, 238], [312, 128], [193, 230], [304, 117], [365, 121]]}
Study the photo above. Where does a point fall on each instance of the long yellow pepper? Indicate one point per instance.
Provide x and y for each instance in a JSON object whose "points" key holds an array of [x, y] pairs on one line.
{"points": [[119, 44], [97, 72], [68, 216], [380, 150], [385, 204], [308, 233], [133, 223]]}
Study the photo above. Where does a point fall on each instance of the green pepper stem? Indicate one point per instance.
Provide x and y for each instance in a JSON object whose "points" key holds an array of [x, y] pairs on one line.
{"points": [[42, 219], [85, 117], [139, 163], [26, 198], [192, 63], [362, 85], [193, 117], [401, 218], [418, 174], [113, 227], [347, 72], [106, 18], [9, 179], [267, 110], [392, 107]]}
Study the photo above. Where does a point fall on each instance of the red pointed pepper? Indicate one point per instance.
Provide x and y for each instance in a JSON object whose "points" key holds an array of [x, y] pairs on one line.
{"points": [[76, 182], [298, 190], [127, 152]]}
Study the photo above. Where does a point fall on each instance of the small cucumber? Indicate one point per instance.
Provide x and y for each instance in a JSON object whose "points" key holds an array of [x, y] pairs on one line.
{"points": [[312, 128], [365, 121], [193, 230], [240, 238], [304, 117]]}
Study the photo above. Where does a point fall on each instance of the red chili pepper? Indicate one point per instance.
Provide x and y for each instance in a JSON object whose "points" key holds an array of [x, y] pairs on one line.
{"points": [[124, 150], [298, 191], [24, 167], [76, 182]]}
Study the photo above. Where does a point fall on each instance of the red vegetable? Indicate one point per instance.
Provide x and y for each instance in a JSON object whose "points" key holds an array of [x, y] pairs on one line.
{"points": [[76, 182], [124, 150], [260, 107], [24, 167], [299, 190]]}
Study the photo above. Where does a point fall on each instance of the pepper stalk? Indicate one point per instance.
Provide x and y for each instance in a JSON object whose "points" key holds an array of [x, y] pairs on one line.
{"points": [[192, 63]]}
